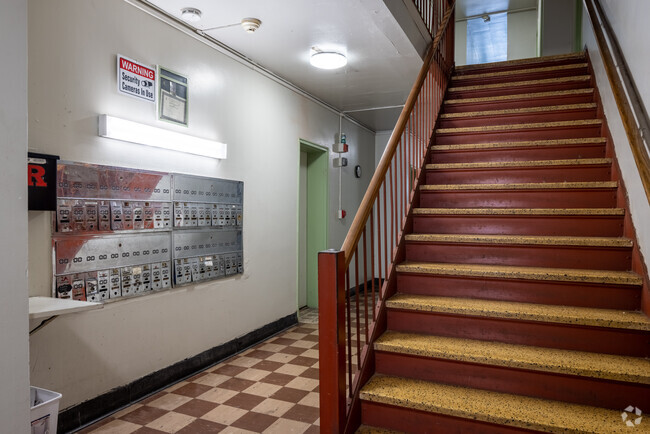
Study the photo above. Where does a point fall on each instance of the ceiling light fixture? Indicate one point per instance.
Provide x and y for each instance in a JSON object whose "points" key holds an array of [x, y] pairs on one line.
{"points": [[191, 15], [328, 60], [133, 132], [251, 24]]}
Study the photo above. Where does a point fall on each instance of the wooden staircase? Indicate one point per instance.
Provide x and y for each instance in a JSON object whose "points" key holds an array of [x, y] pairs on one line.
{"points": [[518, 302]]}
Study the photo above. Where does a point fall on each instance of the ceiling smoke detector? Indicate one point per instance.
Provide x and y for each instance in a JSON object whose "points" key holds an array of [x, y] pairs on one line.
{"points": [[251, 24], [191, 15]]}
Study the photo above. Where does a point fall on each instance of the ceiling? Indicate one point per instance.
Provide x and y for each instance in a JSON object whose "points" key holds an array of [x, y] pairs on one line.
{"points": [[471, 8], [382, 61]]}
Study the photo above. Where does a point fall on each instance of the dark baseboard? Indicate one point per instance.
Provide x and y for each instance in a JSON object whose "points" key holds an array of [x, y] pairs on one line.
{"points": [[75, 417]]}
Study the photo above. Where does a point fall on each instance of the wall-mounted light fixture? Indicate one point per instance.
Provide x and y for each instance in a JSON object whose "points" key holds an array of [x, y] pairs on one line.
{"points": [[129, 131]]}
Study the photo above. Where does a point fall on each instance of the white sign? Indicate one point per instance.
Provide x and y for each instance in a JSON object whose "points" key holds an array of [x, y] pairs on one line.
{"points": [[135, 79]]}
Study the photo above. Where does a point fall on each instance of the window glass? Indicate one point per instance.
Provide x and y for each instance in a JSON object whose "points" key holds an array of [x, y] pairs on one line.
{"points": [[487, 41]]}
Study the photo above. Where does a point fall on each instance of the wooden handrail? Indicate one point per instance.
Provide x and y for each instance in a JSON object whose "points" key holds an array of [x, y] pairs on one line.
{"points": [[639, 151], [367, 203]]}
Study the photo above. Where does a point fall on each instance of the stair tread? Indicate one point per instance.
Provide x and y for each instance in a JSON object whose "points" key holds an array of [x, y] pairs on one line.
{"points": [[584, 316], [521, 186], [537, 109], [533, 95], [580, 363], [520, 71], [519, 272], [534, 163], [366, 429], [523, 240], [521, 211], [527, 61], [522, 126], [492, 407], [489, 86], [522, 144]]}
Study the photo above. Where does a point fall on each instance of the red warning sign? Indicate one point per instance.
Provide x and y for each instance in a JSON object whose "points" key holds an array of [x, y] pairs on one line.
{"points": [[135, 79]]}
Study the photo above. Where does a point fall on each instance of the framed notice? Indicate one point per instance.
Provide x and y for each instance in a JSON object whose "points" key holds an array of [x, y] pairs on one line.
{"points": [[173, 100]]}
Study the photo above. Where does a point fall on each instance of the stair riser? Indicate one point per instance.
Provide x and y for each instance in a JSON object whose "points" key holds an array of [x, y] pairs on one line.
{"points": [[514, 90], [574, 389], [480, 121], [521, 154], [420, 422], [484, 69], [501, 175], [600, 226], [567, 337], [564, 198], [529, 256], [457, 81], [531, 291], [518, 103], [541, 133]]}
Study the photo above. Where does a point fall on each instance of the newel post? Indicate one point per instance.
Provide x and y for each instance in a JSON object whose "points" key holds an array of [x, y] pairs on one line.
{"points": [[331, 340]]}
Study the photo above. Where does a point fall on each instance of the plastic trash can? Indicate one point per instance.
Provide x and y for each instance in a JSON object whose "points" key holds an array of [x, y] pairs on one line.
{"points": [[44, 412]]}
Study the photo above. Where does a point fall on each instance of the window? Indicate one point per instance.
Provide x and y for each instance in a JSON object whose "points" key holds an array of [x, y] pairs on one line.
{"points": [[487, 41]]}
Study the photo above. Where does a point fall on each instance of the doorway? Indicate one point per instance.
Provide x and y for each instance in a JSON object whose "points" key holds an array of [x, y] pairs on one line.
{"points": [[312, 219]]}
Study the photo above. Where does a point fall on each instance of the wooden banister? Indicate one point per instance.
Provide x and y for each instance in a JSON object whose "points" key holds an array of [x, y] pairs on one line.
{"points": [[610, 58], [355, 282], [367, 203], [331, 350]]}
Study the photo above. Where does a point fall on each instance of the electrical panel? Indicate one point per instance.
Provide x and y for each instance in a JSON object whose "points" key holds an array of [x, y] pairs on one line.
{"points": [[121, 232]]}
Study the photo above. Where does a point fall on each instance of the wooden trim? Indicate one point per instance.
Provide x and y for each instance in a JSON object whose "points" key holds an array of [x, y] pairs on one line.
{"points": [[625, 109], [365, 208]]}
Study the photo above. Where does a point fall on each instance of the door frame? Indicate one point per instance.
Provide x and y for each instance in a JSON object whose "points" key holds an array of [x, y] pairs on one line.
{"points": [[317, 214]]}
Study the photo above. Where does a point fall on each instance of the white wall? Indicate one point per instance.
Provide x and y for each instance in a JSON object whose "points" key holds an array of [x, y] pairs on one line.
{"points": [[381, 140], [522, 37], [72, 48], [14, 362], [559, 26], [460, 43], [628, 22], [626, 18]]}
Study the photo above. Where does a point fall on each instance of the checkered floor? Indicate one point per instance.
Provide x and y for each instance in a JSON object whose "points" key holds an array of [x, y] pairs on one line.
{"points": [[270, 388]]}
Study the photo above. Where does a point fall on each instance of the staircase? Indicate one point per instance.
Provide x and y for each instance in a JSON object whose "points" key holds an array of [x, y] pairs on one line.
{"points": [[516, 309]]}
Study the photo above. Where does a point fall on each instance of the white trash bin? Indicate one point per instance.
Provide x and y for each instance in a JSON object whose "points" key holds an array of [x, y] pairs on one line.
{"points": [[44, 412]]}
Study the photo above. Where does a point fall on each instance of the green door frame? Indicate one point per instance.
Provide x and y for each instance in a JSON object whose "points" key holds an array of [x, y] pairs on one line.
{"points": [[317, 214]]}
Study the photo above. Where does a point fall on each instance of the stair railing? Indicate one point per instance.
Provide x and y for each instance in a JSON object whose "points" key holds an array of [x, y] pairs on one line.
{"points": [[354, 282], [635, 120]]}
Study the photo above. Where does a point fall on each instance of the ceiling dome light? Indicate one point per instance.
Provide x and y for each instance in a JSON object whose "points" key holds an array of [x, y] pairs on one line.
{"points": [[328, 60], [191, 15], [251, 24]]}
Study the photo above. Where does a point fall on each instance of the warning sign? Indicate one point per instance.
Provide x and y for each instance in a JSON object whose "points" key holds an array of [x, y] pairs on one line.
{"points": [[136, 79]]}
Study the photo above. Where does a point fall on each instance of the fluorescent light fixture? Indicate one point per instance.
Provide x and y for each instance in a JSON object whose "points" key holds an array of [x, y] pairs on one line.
{"points": [[128, 131], [191, 15], [328, 60]]}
